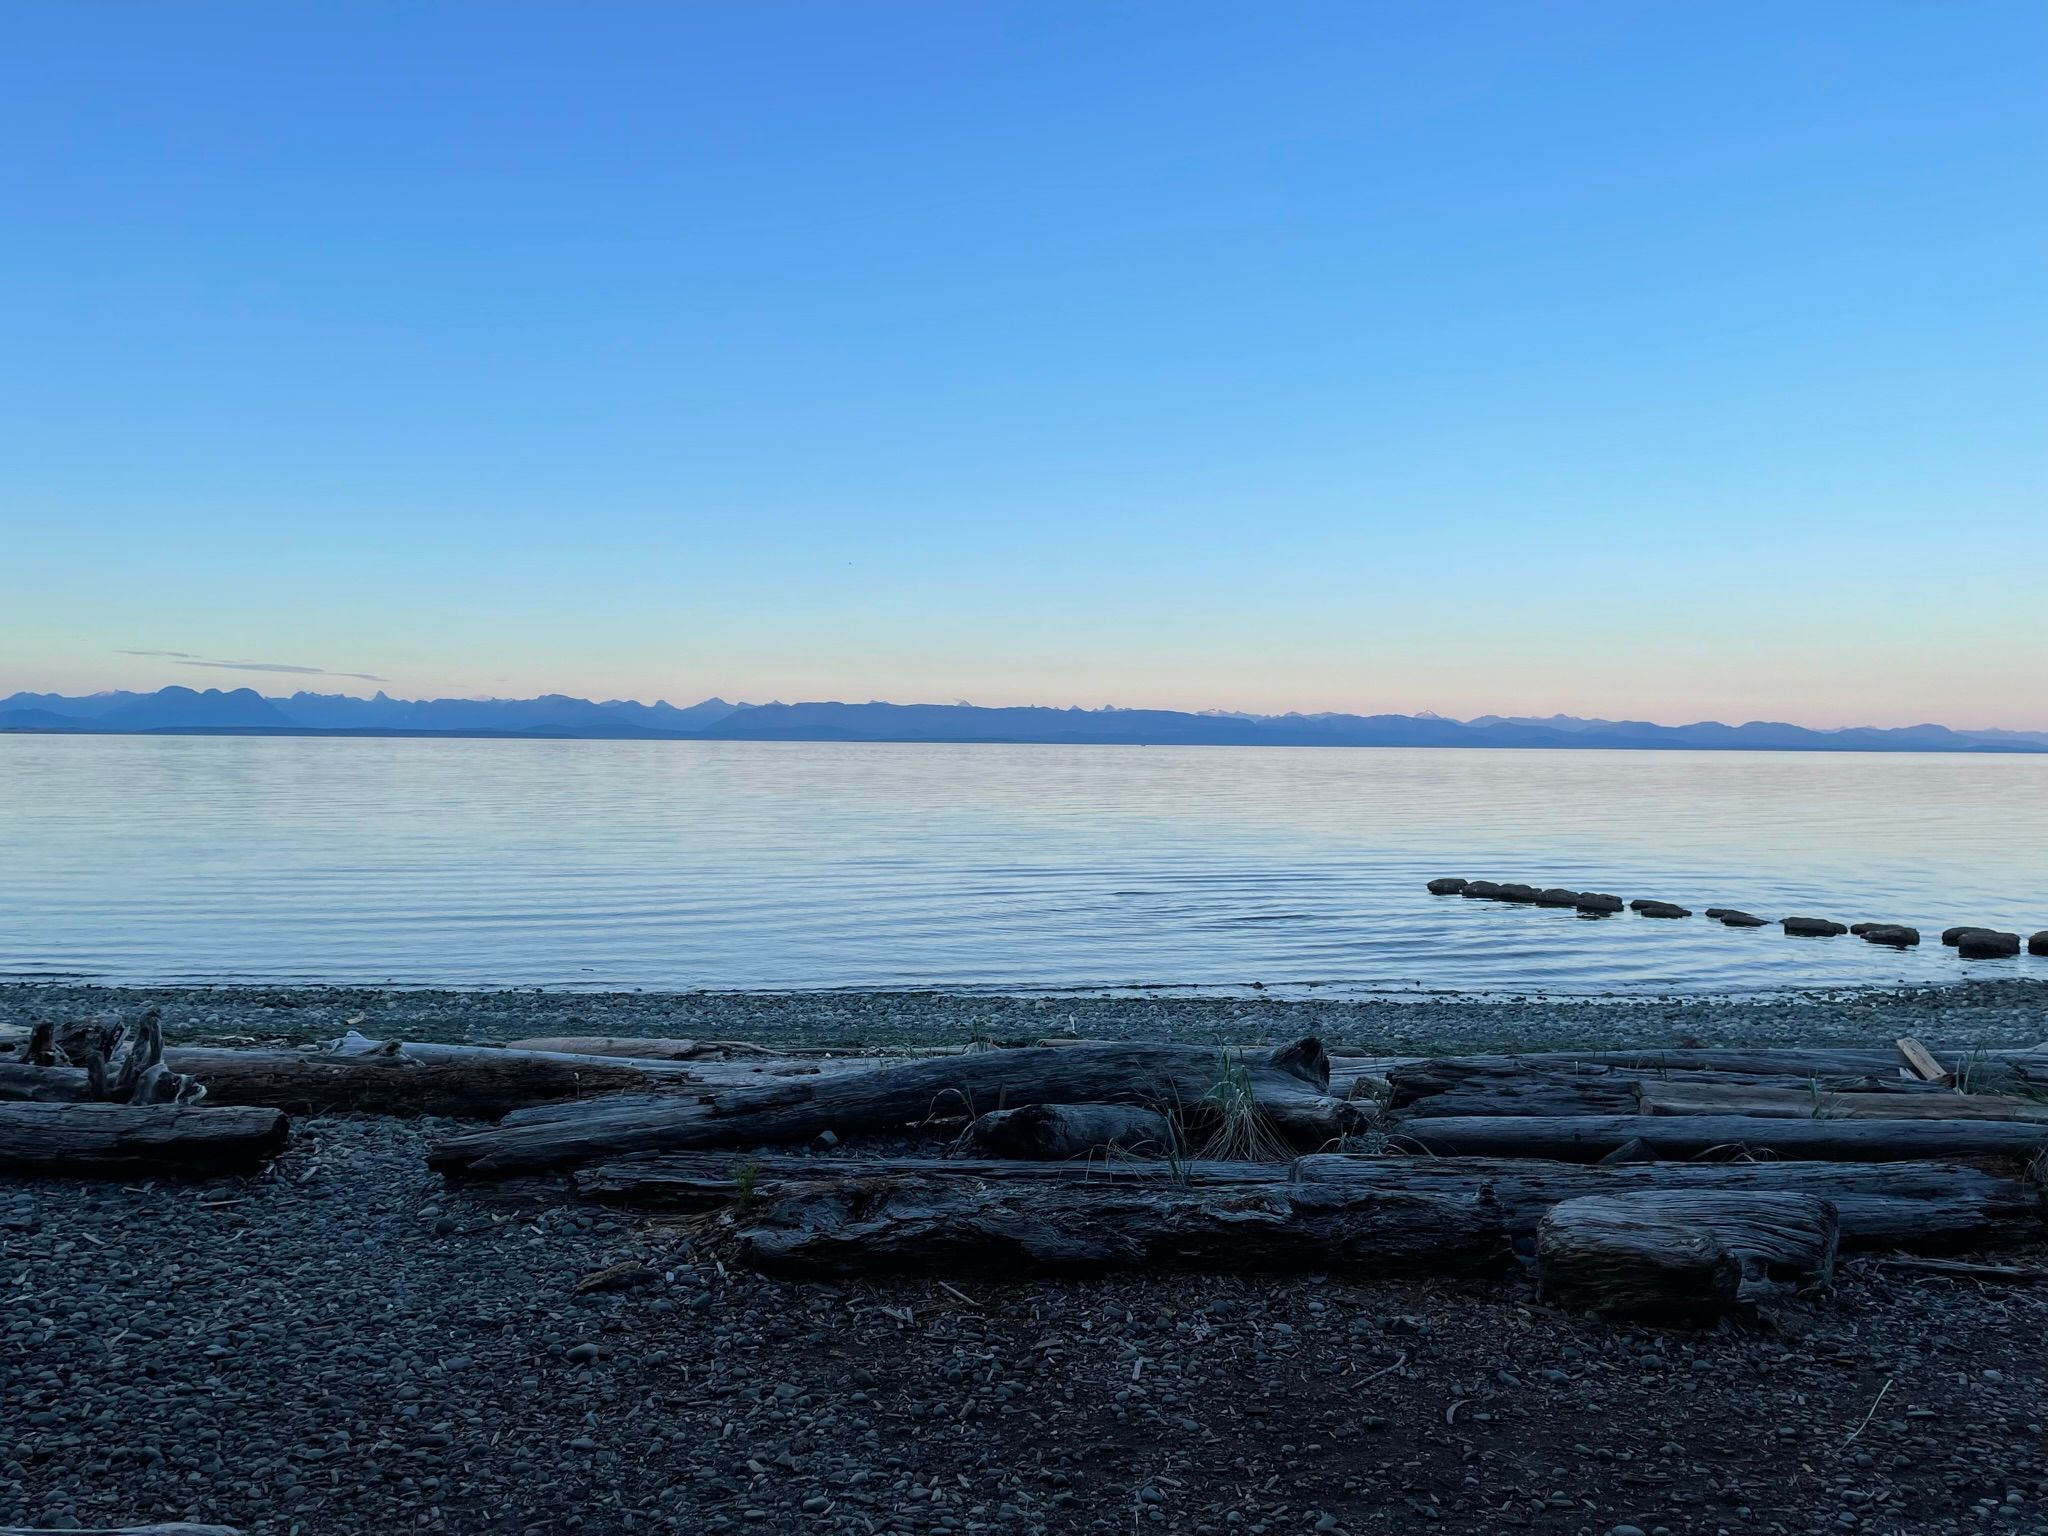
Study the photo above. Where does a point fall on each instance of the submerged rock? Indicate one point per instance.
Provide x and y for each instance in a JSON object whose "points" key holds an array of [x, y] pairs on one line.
{"points": [[1897, 935], [1448, 886], [1732, 917], [1660, 908], [1813, 927], [1598, 901]]}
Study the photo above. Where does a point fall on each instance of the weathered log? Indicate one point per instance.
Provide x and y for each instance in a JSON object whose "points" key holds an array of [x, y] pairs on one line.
{"points": [[1282, 1093], [141, 1138], [695, 1181], [634, 1048], [21, 1083], [118, 1064], [1919, 1205], [1700, 1094], [1574, 1138], [852, 1227], [1681, 1252], [1054, 1131], [1496, 1086], [1929, 1206]]}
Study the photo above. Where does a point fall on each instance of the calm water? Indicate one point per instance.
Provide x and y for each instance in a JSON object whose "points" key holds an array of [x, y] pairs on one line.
{"points": [[677, 865]]}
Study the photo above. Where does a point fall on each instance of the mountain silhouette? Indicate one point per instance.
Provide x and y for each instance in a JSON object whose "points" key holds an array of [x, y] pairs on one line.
{"points": [[242, 711]]}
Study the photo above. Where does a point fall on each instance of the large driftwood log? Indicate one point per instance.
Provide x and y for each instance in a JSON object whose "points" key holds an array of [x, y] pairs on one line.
{"points": [[1283, 1090], [114, 1064], [1681, 1252], [1058, 1131], [637, 1048], [695, 1181], [141, 1138], [851, 1226], [1919, 1205], [1890, 1205], [1577, 1138], [1699, 1094], [1486, 1086]]}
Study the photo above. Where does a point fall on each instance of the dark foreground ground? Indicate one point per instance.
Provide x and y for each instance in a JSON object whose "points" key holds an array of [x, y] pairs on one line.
{"points": [[342, 1345]]}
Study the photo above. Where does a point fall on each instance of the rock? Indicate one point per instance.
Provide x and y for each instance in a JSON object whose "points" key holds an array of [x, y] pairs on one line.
{"points": [[1514, 890], [1953, 936], [1987, 944], [581, 1354], [1449, 885], [1557, 896], [2037, 944], [1731, 918], [1813, 927], [1598, 901], [1661, 908], [1897, 935], [1483, 889]]}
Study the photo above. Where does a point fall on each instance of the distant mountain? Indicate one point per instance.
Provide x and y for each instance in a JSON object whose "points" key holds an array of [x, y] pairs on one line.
{"points": [[243, 711]]}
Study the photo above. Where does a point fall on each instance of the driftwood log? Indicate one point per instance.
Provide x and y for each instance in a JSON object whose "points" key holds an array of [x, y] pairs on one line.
{"points": [[100, 1064], [1576, 1138], [1051, 1132], [1038, 1226], [1683, 1252], [1284, 1091], [137, 1138], [1919, 1205], [1699, 1094], [1893, 1205]]}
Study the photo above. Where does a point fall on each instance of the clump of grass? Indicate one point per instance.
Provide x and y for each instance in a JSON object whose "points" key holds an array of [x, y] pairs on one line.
{"points": [[746, 1178], [1239, 1130]]}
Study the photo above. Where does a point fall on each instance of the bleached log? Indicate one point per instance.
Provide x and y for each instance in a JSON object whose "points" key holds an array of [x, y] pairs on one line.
{"points": [[1679, 1252], [1004, 1229], [1058, 1131], [1286, 1088], [1578, 1138], [1700, 1094], [140, 1138], [1918, 1205]]}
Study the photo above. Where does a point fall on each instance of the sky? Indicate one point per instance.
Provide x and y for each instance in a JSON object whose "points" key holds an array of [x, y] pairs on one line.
{"points": [[1670, 361]]}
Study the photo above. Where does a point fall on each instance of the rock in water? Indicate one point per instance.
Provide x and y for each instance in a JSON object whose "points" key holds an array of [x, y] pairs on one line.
{"points": [[1557, 896], [1514, 890], [1813, 927], [1987, 944], [1661, 908], [2038, 943], [1730, 918], [1896, 935], [1598, 901], [1953, 936], [1450, 885], [1481, 889]]}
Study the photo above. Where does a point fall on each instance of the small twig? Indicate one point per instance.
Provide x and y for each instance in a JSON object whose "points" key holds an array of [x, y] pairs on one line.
{"points": [[1376, 1375], [1873, 1410], [955, 1290]]}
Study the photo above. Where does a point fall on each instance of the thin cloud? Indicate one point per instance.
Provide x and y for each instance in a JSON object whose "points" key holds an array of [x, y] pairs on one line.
{"points": [[187, 659]]}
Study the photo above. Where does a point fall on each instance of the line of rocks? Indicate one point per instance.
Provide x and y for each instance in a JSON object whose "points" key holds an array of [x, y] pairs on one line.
{"points": [[1969, 941]]}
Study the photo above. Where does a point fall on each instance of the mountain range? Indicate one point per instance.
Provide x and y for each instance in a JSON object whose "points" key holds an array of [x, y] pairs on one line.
{"points": [[243, 711]]}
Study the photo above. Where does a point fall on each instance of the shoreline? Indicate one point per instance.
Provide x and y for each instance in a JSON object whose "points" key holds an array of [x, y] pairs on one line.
{"points": [[1959, 1016]]}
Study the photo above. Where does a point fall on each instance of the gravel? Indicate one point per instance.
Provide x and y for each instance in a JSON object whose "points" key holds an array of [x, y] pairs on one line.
{"points": [[1982, 1013]]}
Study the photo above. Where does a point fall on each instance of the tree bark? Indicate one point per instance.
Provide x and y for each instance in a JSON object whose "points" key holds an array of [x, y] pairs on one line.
{"points": [[1580, 1138], [966, 1225], [131, 1138], [1919, 1205], [1283, 1091], [1681, 1252], [1050, 1132]]}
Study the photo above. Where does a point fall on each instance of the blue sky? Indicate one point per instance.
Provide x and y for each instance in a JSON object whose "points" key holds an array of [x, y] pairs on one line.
{"points": [[1669, 360]]}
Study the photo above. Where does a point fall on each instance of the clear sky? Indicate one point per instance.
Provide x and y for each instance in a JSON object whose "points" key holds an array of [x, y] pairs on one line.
{"points": [[1670, 360]]}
